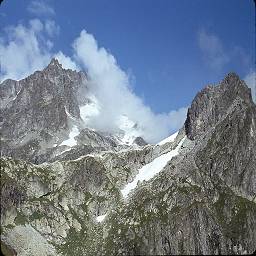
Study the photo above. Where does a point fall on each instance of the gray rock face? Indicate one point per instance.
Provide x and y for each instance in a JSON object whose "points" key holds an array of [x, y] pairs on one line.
{"points": [[8, 90], [95, 139], [202, 202], [42, 99], [212, 103], [140, 141], [35, 110]]}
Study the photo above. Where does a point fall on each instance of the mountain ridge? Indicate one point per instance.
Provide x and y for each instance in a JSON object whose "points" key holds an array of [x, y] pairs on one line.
{"points": [[46, 107], [202, 200]]}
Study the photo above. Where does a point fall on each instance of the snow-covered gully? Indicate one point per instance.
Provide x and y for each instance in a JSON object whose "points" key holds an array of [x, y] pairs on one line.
{"points": [[151, 169]]}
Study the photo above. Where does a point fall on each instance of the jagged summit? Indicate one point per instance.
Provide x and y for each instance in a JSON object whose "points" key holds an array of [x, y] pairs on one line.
{"points": [[236, 86], [213, 102], [54, 65], [54, 62], [231, 76], [35, 109]]}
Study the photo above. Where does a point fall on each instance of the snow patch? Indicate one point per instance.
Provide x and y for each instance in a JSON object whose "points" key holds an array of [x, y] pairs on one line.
{"points": [[79, 158], [129, 129], [151, 169], [95, 155], [16, 95], [90, 110], [251, 130], [73, 133], [71, 140], [101, 217], [68, 114], [66, 150], [168, 139]]}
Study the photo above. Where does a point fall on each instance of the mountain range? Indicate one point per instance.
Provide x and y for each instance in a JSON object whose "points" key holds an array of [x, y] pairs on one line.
{"points": [[68, 189]]}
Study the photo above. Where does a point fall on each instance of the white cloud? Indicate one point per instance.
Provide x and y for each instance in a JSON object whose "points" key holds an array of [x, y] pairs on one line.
{"points": [[37, 7], [36, 25], [66, 61], [51, 28], [212, 49], [25, 50], [250, 80], [111, 86]]}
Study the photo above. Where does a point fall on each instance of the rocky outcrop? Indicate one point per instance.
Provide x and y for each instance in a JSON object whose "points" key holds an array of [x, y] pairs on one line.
{"points": [[8, 91], [213, 102], [96, 139], [140, 141], [36, 111]]}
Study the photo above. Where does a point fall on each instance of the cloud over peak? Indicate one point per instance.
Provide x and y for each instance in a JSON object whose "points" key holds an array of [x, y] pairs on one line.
{"points": [[28, 46], [111, 86], [31, 47]]}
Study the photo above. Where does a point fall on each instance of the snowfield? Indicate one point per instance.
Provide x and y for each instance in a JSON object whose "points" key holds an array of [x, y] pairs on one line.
{"points": [[151, 169], [71, 140], [100, 218], [128, 127], [168, 139], [90, 110]]}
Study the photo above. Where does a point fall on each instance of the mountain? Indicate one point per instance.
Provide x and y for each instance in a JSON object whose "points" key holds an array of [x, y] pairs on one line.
{"points": [[67, 189], [42, 114]]}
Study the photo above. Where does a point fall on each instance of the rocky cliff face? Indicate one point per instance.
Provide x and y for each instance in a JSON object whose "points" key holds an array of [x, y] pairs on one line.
{"points": [[213, 102], [35, 110], [203, 201]]}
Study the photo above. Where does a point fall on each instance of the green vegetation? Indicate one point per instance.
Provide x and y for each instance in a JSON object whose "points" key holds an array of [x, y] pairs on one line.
{"points": [[84, 242], [36, 216], [238, 209], [20, 219]]}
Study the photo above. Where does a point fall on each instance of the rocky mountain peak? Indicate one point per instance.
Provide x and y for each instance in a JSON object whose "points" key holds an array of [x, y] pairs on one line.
{"points": [[213, 102], [40, 105], [54, 68], [54, 63], [234, 86], [231, 76]]}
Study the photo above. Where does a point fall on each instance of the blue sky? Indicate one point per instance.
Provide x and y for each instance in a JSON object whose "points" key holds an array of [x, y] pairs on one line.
{"points": [[169, 48]]}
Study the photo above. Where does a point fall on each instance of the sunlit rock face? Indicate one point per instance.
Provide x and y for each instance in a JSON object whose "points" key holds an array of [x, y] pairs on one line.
{"points": [[67, 189]]}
